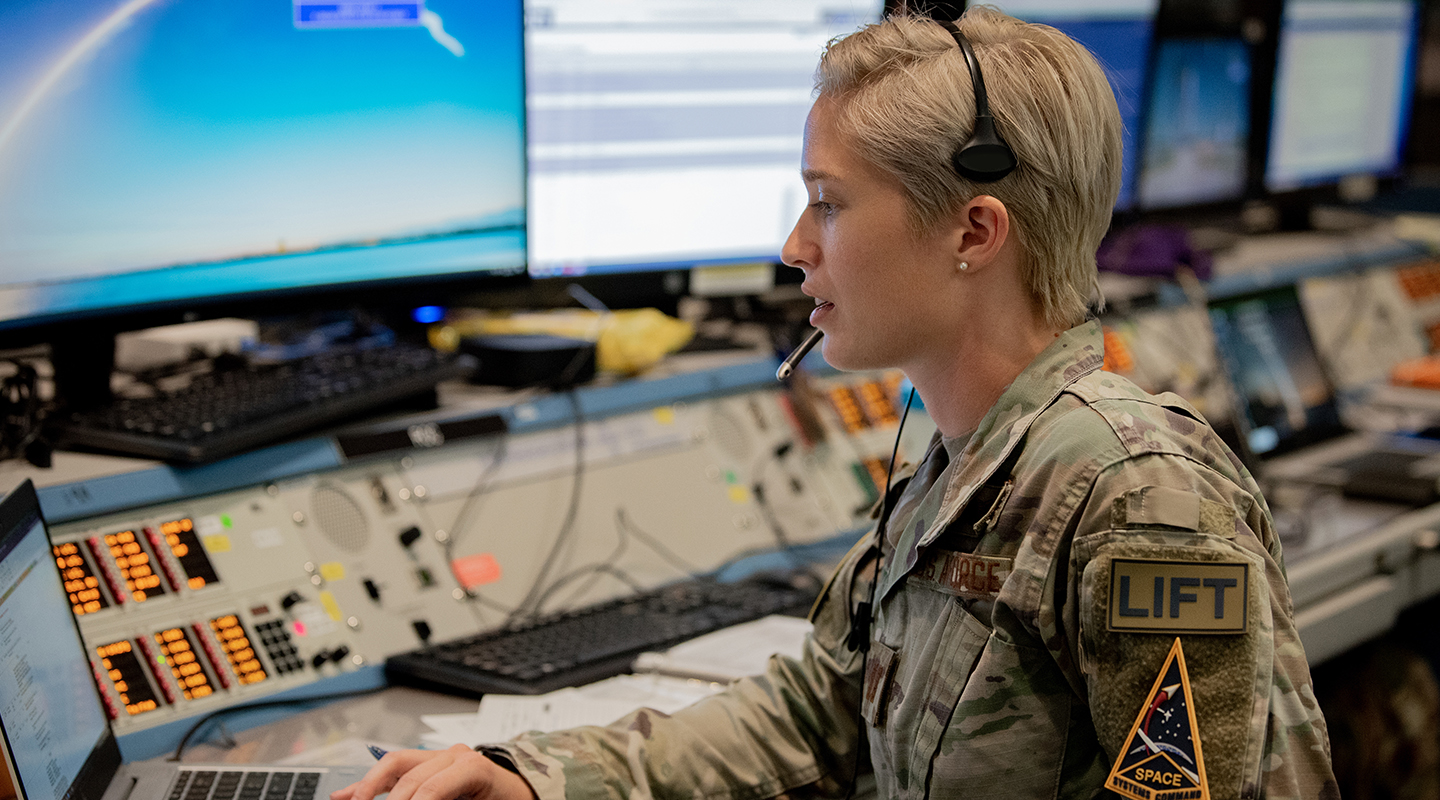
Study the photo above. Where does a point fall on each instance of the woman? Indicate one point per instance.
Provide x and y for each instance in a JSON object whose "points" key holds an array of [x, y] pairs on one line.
{"points": [[1078, 588]]}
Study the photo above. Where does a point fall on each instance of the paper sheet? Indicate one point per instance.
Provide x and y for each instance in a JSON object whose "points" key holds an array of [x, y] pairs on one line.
{"points": [[501, 717], [730, 653]]}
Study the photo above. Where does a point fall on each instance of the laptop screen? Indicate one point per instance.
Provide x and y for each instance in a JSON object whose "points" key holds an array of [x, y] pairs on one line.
{"points": [[51, 713], [1285, 400]]}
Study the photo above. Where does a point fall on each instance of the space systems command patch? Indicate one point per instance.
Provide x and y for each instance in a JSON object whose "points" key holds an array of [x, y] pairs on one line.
{"points": [[1161, 759]]}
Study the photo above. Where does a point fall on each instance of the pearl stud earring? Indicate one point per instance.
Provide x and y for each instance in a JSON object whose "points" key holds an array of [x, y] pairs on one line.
{"points": [[964, 265]]}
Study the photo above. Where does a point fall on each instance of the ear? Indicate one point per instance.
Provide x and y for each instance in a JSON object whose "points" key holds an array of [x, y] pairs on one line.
{"points": [[984, 228]]}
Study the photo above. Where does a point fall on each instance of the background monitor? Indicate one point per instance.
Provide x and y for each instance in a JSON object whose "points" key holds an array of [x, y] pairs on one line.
{"points": [[1285, 399], [1342, 93], [1197, 128], [177, 156], [1119, 33], [665, 134]]}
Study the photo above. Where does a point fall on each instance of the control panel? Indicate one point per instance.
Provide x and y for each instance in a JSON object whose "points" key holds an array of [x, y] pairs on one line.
{"points": [[202, 602]]}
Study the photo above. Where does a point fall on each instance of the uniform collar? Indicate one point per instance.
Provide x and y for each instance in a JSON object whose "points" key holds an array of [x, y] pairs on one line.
{"points": [[1074, 354]]}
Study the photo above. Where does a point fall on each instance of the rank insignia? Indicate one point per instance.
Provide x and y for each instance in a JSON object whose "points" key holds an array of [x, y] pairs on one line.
{"points": [[1161, 759]]}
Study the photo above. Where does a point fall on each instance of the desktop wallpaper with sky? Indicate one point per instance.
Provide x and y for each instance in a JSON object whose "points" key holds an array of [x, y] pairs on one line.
{"points": [[137, 135]]}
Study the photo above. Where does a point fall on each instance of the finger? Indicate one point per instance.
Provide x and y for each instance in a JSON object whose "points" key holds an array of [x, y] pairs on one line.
{"points": [[420, 772], [465, 774], [383, 776]]}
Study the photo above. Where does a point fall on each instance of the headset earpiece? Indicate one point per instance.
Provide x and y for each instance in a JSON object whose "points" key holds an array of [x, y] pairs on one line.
{"points": [[984, 157]]}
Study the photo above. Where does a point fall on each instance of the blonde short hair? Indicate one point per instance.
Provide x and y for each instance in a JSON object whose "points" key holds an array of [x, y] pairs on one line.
{"points": [[905, 102]]}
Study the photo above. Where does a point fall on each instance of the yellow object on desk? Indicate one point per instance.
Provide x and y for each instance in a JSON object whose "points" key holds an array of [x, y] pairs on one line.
{"points": [[626, 342]]}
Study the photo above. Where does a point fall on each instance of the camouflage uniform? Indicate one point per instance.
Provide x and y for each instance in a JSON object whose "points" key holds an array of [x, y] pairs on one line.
{"points": [[1005, 681]]}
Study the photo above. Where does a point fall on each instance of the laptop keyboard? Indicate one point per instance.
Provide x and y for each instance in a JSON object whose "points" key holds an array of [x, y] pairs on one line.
{"points": [[204, 784]]}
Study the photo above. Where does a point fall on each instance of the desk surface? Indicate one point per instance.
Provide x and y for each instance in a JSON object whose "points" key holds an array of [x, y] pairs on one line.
{"points": [[390, 717]]}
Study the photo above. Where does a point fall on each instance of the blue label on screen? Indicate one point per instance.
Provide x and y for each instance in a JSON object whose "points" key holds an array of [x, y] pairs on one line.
{"points": [[357, 14]]}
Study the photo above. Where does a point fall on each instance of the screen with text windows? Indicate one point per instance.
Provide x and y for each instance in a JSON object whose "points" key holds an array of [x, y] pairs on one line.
{"points": [[667, 133], [1343, 86], [154, 152], [50, 710]]}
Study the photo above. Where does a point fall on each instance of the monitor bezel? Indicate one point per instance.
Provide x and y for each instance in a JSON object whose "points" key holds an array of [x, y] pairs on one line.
{"points": [[1323, 430], [22, 508], [1293, 203]]}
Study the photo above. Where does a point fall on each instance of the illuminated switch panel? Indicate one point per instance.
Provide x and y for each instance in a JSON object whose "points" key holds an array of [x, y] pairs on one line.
{"points": [[239, 649], [178, 537], [127, 674], [137, 569], [279, 646], [875, 398], [80, 580], [178, 652], [848, 408]]}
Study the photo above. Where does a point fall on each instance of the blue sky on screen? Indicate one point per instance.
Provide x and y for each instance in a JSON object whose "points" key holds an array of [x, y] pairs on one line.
{"points": [[203, 130]]}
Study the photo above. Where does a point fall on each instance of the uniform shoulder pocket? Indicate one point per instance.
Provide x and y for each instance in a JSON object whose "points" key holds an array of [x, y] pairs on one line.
{"points": [[1142, 587]]}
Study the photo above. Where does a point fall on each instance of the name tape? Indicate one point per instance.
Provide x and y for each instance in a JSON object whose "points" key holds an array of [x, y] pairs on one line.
{"points": [[1178, 596], [964, 574]]}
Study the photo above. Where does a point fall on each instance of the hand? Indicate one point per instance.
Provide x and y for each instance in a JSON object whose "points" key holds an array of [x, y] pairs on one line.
{"points": [[458, 772]]}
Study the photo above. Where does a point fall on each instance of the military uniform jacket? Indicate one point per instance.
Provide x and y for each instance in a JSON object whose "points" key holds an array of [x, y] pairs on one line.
{"points": [[1004, 660]]}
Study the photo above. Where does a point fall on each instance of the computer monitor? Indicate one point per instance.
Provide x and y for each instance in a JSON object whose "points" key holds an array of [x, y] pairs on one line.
{"points": [[665, 134], [1285, 398], [1197, 123], [162, 159], [1342, 93], [1119, 33]]}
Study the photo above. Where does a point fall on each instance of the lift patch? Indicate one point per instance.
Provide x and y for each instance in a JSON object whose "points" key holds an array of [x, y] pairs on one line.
{"points": [[1178, 596], [1161, 759]]}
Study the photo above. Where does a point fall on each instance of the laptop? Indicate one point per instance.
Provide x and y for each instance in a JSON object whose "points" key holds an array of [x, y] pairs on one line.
{"points": [[57, 739], [1289, 412]]}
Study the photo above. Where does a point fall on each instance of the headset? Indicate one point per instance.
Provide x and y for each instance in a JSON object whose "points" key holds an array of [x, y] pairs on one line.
{"points": [[984, 157]]}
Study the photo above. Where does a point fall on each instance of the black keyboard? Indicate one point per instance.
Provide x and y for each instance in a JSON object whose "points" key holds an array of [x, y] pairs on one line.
{"points": [[589, 644], [205, 784], [227, 411]]}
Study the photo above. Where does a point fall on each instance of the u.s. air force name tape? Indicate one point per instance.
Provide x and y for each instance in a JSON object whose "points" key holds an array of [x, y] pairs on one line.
{"points": [[963, 574], [1162, 758], [1151, 596]]}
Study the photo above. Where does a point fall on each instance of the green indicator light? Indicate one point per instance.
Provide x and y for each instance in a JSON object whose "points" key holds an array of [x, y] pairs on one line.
{"points": [[225, 520], [729, 476]]}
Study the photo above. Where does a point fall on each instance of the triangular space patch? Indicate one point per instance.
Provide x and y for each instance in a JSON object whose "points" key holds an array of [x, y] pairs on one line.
{"points": [[1161, 759]]}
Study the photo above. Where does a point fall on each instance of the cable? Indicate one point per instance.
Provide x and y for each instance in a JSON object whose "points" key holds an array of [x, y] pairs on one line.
{"points": [[604, 566], [592, 569], [482, 485], [856, 641], [184, 740], [670, 556], [539, 588]]}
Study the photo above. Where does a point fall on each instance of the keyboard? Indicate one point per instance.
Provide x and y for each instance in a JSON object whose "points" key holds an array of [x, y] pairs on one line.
{"points": [[586, 645], [227, 411], [200, 784]]}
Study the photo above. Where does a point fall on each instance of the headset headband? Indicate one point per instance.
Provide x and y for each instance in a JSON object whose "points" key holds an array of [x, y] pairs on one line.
{"points": [[984, 157]]}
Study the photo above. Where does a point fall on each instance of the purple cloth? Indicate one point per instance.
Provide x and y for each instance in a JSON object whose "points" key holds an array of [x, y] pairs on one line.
{"points": [[1152, 251]]}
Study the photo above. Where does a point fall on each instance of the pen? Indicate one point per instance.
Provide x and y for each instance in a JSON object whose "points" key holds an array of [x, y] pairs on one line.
{"points": [[788, 365], [375, 751]]}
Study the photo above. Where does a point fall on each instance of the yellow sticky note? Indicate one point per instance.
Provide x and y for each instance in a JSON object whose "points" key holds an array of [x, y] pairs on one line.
{"points": [[332, 571], [739, 494], [331, 607], [217, 543], [665, 415]]}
